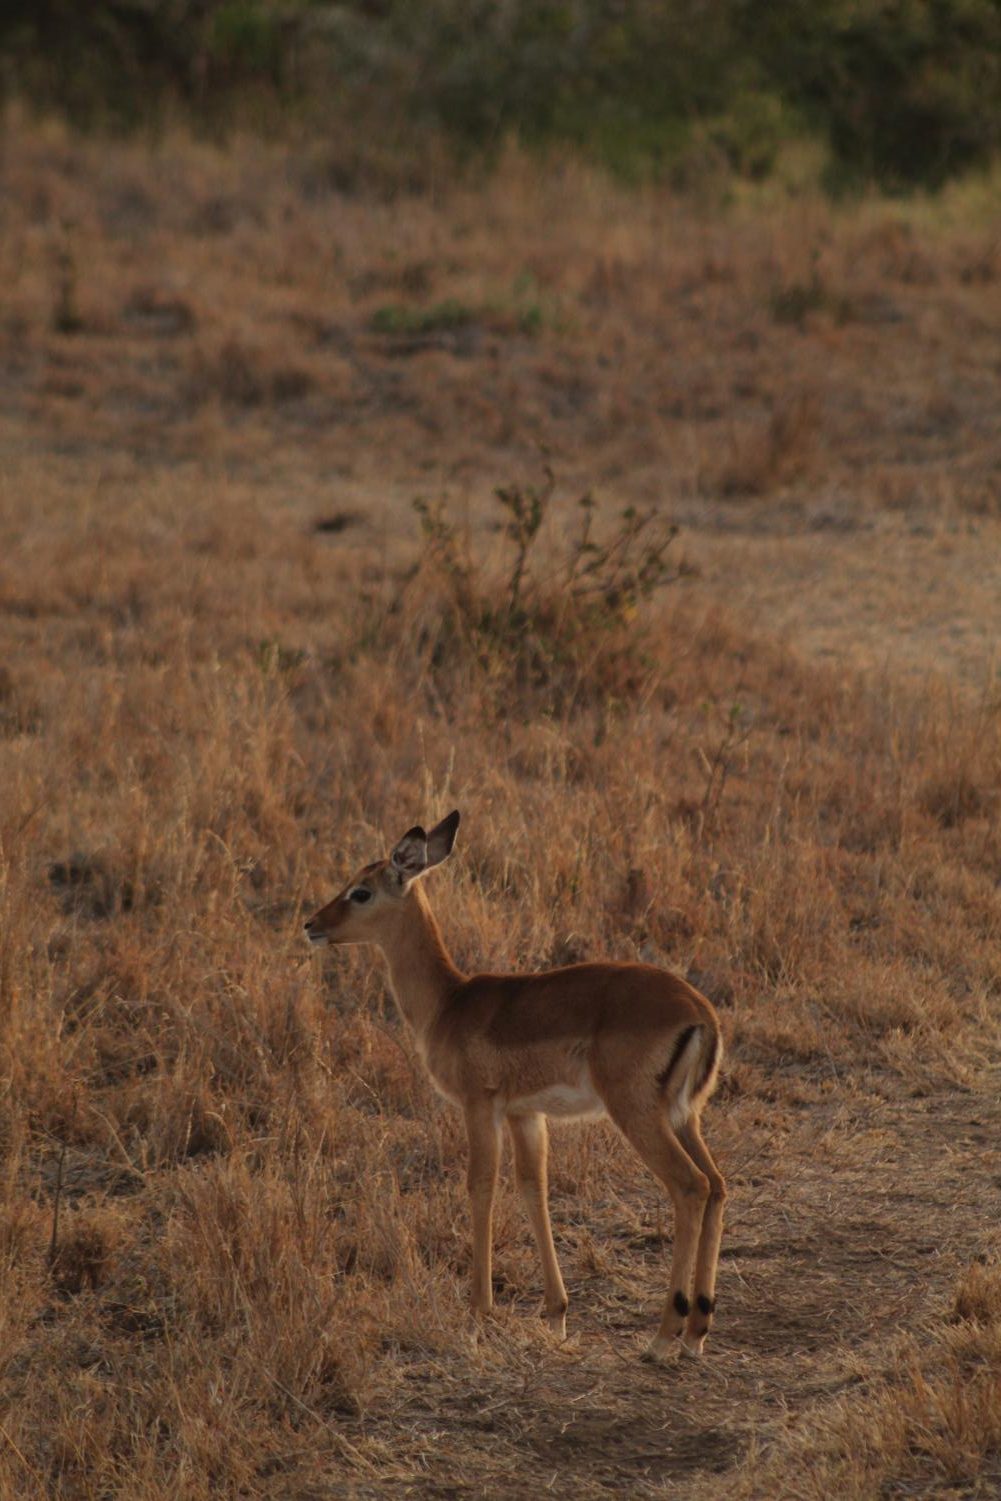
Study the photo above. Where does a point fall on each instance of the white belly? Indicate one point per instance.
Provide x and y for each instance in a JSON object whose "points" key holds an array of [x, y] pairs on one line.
{"points": [[566, 1101]]}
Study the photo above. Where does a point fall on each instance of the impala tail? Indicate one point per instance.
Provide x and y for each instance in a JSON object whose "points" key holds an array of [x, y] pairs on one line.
{"points": [[689, 1076]]}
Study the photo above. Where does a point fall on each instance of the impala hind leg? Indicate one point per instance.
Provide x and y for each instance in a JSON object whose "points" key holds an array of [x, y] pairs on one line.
{"points": [[651, 1135], [483, 1132], [707, 1257], [530, 1137]]}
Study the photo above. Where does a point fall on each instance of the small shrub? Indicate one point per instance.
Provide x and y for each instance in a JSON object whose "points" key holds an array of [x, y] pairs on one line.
{"points": [[796, 301], [80, 1257], [772, 453], [92, 886], [66, 315], [522, 311], [152, 311], [954, 798], [561, 625], [242, 376], [442, 317]]}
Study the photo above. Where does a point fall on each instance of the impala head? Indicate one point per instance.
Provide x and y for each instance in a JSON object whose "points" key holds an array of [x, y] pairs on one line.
{"points": [[370, 900]]}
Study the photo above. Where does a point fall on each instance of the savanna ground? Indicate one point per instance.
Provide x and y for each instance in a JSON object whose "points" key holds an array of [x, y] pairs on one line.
{"points": [[236, 663]]}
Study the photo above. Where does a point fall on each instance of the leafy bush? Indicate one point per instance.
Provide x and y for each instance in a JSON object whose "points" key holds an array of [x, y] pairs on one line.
{"points": [[904, 91], [907, 91]]}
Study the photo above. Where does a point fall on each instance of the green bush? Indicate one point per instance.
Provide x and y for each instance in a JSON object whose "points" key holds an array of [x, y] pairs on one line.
{"points": [[904, 92], [907, 91]]}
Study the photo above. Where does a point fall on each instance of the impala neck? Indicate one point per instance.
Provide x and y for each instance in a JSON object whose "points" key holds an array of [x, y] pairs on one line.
{"points": [[421, 972]]}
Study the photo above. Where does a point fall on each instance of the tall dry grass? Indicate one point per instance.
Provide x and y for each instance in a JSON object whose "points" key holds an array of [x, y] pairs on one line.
{"points": [[261, 1219]]}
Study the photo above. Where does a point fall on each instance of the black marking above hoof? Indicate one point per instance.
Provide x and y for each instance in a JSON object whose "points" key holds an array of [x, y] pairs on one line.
{"points": [[706, 1305], [681, 1304]]}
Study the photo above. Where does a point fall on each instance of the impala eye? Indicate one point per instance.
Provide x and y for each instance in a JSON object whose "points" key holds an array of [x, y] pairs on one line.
{"points": [[360, 895]]}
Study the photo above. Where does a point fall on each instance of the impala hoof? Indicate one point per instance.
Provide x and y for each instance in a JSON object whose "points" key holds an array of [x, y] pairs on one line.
{"points": [[557, 1325], [660, 1350]]}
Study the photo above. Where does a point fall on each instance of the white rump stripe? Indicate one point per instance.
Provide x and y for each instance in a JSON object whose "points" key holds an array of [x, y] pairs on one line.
{"points": [[680, 1082]]}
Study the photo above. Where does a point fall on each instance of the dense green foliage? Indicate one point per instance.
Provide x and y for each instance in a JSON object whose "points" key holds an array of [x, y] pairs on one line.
{"points": [[901, 91]]}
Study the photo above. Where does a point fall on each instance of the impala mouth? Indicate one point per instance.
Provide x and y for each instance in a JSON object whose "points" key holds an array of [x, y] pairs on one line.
{"points": [[318, 939]]}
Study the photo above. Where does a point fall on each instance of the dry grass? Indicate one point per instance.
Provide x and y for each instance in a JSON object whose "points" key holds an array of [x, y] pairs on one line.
{"points": [[211, 708], [187, 307], [924, 1421]]}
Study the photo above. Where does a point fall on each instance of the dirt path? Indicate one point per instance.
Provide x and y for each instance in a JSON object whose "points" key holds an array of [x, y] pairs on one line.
{"points": [[890, 596], [857, 1231]]}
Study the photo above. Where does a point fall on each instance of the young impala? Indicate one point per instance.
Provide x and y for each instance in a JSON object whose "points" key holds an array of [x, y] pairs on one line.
{"points": [[628, 1040]]}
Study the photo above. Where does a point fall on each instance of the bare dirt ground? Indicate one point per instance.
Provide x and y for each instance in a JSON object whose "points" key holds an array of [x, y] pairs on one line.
{"points": [[904, 598], [204, 360], [834, 1247]]}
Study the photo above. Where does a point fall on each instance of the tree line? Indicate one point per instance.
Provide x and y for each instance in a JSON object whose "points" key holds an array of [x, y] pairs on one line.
{"points": [[902, 93]]}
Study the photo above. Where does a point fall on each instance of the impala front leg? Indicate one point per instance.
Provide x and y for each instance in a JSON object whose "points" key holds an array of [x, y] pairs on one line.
{"points": [[483, 1130], [529, 1134]]}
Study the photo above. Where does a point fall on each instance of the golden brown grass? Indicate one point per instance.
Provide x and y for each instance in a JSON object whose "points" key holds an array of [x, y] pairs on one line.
{"points": [[233, 1246]]}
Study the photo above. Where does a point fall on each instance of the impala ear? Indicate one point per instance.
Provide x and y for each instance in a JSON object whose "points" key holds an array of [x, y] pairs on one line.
{"points": [[410, 856], [442, 838], [417, 851]]}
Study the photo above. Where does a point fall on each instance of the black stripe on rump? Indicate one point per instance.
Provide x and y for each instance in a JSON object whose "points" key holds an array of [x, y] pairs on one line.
{"points": [[681, 1043], [710, 1062]]}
